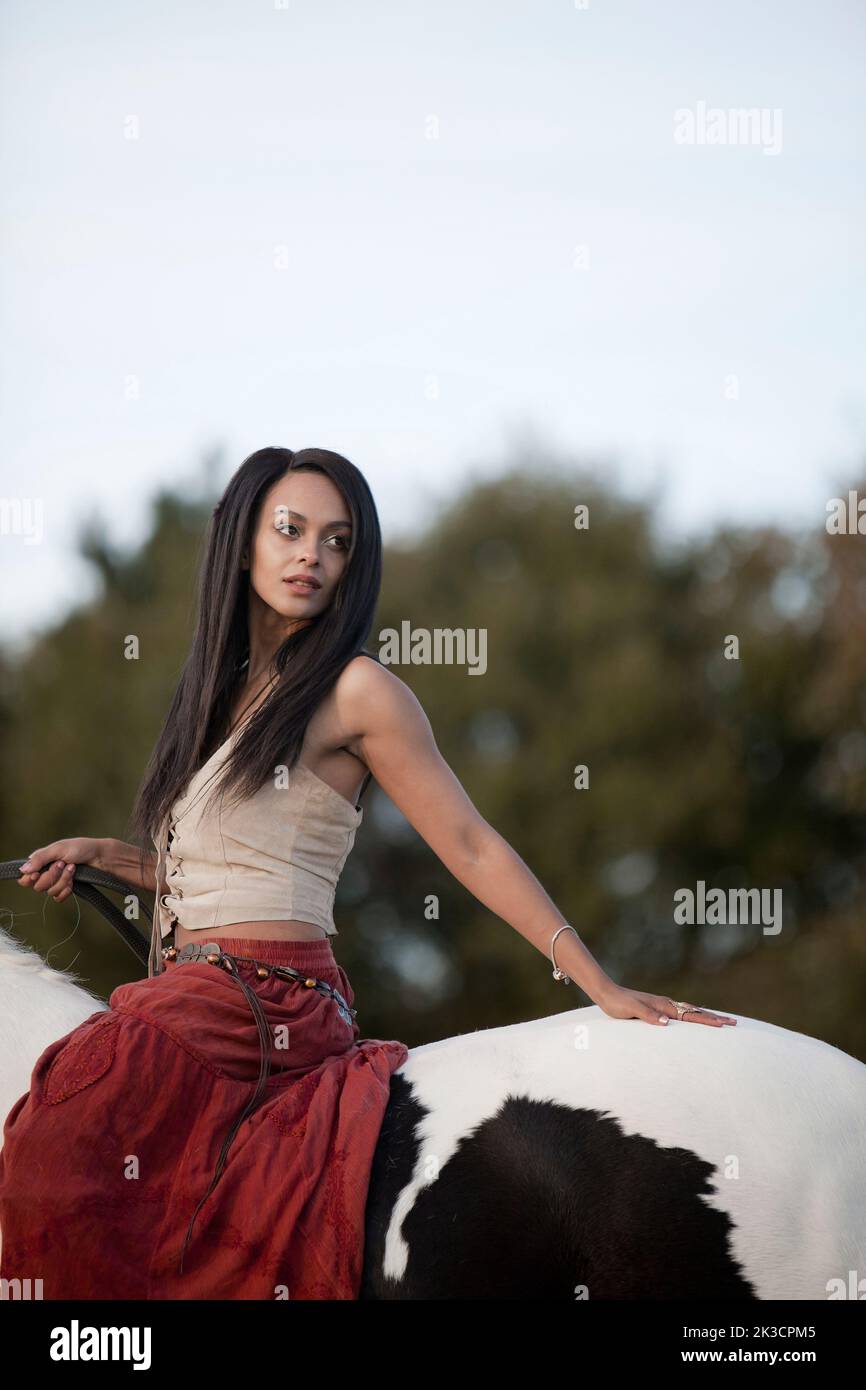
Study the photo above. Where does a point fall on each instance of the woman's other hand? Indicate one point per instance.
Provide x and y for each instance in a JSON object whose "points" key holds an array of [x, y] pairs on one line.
{"points": [[619, 1002]]}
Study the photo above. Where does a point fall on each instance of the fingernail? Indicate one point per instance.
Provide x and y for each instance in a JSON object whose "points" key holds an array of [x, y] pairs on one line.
{"points": [[25, 865], [663, 1018]]}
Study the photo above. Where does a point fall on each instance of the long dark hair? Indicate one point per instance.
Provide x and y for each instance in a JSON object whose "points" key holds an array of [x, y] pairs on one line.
{"points": [[308, 662]]}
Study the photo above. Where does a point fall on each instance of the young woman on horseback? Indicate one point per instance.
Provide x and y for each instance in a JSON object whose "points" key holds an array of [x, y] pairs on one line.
{"points": [[140, 1164]]}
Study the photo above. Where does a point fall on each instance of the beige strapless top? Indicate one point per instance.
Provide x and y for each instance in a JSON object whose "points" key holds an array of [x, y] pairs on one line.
{"points": [[275, 855]]}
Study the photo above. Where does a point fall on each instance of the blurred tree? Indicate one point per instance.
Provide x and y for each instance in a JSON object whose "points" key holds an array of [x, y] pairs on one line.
{"points": [[605, 647]]}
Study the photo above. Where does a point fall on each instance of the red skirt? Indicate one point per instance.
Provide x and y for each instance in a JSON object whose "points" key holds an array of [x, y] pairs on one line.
{"points": [[106, 1160]]}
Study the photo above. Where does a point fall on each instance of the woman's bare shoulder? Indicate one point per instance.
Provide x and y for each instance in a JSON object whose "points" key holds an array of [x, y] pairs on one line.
{"points": [[364, 687]]}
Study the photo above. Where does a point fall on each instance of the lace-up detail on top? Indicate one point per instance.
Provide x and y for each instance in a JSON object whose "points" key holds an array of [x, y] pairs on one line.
{"points": [[276, 855]]}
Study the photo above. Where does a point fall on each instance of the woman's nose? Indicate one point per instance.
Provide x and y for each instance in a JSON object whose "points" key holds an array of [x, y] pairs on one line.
{"points": [[309, 554]]}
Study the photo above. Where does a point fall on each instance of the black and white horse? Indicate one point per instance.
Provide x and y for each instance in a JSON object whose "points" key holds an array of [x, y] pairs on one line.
{"points": [[583, 1157]]}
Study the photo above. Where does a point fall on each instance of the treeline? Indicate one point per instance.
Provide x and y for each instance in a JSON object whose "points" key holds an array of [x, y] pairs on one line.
{"points": [[652, 717]]}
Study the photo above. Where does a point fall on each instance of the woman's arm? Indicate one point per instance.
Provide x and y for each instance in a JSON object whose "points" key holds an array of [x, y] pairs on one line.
{"points": [[385, 725], [393, 736], [124, 861]]}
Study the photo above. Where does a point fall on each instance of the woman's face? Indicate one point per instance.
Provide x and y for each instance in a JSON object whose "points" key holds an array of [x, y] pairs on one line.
{"points": [[304, 529]]}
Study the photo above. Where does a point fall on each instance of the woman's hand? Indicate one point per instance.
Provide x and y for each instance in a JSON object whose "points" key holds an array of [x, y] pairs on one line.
{"points": [[51, 869], [619, 1002]]}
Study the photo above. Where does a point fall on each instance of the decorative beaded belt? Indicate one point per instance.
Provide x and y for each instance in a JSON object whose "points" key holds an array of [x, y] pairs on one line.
{"points": [[213, 953]]}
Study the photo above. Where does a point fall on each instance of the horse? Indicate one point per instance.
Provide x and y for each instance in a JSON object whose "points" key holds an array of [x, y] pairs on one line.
{"points": [[581, 1157]]}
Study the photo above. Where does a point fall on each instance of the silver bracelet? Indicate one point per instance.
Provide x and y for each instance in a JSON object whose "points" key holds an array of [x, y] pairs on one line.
{"points": [[557, 973]]}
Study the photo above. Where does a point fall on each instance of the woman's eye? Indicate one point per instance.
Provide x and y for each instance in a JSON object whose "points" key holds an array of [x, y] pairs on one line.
{"points": [[343, 542]]}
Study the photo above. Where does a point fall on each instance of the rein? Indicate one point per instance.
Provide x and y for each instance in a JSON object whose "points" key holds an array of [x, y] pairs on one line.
{"points": [[86, 883]]}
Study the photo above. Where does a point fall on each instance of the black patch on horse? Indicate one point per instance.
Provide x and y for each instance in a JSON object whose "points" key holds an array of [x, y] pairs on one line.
{"points": [[541, 1199]]}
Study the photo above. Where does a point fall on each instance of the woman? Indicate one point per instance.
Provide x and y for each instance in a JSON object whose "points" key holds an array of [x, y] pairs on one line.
{"points": [[139, 1165]]}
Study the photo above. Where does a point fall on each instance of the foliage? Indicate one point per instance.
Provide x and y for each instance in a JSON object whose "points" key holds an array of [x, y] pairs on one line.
{"points": [[605, 648]]}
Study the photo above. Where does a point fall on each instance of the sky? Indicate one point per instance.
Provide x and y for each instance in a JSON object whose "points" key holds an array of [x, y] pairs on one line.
{"points": [[413, 232]]}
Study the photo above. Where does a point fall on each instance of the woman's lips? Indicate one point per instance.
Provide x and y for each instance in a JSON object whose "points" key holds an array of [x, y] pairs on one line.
{"points": [[300, 587]]}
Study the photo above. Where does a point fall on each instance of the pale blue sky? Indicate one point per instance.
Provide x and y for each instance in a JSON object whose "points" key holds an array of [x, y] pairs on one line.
{"points": [[410, 259]]}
